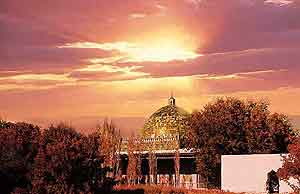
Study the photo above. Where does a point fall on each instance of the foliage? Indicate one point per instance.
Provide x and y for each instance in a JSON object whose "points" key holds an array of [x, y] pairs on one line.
{"points": [[132, 162], [290, 171], [154, 189], [234, 126], [67, 162], [18, 147], [110, 146], [20, 191], [59, 160]]}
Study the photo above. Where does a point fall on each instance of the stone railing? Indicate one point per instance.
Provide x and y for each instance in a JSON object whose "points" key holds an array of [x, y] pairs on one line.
{"points": [[156, 143]]}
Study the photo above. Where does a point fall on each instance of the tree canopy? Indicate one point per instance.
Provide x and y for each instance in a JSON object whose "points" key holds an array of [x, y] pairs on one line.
{"points": [[290, 171], [56, 160], [233, 126], [68, 162], [18, 148]]}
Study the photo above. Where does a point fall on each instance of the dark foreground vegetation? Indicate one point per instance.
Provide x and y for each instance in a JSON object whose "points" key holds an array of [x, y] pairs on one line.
{"points": [[153, 189], [59, 160], [55, 160]]}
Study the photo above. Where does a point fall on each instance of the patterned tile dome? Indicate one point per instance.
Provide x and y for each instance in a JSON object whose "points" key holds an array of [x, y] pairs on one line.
{"points": [[167, 121]]}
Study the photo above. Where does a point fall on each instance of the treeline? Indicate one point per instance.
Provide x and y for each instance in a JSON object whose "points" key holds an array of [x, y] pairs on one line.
{"points": [[58, 159], [54, 160]]}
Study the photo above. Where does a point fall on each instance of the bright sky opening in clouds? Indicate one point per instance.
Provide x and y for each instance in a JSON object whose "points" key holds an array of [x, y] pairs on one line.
{"points": [[162, 51], [280, 2], [85, 60]]}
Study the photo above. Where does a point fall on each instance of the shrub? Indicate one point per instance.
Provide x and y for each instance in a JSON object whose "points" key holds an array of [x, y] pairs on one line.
{"points": [[154, 189]]}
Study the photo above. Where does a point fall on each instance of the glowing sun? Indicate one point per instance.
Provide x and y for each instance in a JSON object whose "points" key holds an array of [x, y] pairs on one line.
{"points": [[161, 51]]}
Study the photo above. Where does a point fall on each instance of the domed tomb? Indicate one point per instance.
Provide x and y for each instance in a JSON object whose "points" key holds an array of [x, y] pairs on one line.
{"points": [[167, 121]]}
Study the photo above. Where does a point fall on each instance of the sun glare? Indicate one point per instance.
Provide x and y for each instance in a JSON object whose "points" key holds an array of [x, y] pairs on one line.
{"points": [[162, 50], [160, 54], [159, 50]]}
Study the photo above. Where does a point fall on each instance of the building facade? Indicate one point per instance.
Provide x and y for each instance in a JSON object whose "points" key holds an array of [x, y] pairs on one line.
{"points": [[159, 157], [253, 178]]}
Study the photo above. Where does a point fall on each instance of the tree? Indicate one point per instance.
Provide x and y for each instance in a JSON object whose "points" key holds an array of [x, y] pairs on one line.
{"points": [[233, 126], [18, 148], [110, 145], [132, 162], [68, 162], [290, 170]]}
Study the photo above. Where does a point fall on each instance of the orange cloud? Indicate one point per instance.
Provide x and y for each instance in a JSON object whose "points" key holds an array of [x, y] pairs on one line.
{"points": [[163, 51], [280, 2]]}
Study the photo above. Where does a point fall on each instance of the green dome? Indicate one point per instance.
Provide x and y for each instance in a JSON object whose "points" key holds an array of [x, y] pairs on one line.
{"points": [[169, 120]]}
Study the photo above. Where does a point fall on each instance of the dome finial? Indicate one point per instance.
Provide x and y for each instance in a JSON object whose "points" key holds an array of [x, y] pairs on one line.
{"points": [[172, 100]]}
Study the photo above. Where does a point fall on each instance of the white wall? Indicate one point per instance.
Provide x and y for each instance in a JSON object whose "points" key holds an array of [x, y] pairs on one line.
{"points": [[248, 173]]}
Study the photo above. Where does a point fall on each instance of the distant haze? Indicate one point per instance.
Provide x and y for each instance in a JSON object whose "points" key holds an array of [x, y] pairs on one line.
{"points": [[87, 125], [126, 125], [295, 121]]}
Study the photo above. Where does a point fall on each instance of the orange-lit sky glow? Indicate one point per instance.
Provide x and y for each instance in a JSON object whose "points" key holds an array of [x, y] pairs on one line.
{"points": [[84, 60]]}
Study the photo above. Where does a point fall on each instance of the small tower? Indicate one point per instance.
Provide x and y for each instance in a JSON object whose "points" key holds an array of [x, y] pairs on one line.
{"points": [[172, 100]]}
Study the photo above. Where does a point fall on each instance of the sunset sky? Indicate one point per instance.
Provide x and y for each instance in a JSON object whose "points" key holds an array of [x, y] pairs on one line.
{"points": [[79, 61]]}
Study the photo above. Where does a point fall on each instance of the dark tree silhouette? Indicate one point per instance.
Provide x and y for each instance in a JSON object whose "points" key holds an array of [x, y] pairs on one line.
{"points": [[68, 162], [18, 147], [59, 160]]}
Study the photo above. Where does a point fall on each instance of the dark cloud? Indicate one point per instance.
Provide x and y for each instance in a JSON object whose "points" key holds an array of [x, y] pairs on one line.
{"points": [[100, 21], [46, 59], [264, 81], [227, 63]]}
